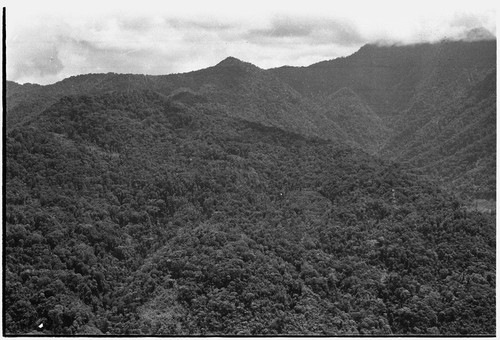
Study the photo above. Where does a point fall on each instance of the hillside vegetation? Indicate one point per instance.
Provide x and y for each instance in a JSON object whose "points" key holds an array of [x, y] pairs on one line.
{"points": [[133, 211]]}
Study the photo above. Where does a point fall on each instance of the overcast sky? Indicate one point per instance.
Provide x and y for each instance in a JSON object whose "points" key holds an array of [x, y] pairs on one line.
{"points": [[48, 41]]}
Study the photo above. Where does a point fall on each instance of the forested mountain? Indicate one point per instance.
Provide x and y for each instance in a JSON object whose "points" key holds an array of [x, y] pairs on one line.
{"points": [[235, 200], [392, 78], [400, 102], [437, 102], [132, 213], [456, 142], [240, 89]]}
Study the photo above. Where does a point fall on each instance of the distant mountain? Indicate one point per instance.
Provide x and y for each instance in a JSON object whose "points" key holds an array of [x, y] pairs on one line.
{"points": [[383, 99], [237, 88], [427, 97], [392, 78], [27, 101], [248, 92]]}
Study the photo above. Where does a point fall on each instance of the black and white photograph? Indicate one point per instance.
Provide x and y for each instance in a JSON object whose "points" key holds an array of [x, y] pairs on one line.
{"points": [[249, 168]]}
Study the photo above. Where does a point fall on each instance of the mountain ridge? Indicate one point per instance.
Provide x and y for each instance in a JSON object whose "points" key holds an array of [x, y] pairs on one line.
{"points": [[396, 92], [409, 87]]}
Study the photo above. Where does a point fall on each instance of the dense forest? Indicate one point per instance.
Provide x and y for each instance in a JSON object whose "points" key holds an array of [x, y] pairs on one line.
{"points": [[132, 211]]}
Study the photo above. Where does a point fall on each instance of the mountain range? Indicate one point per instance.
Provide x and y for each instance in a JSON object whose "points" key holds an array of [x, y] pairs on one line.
{"points": [[321, 200], [430, 105]]}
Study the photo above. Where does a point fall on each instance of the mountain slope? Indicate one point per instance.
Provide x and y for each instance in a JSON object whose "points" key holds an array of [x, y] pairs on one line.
{"points": [[239, 89], [458, 144], [253, 94], [423, 94], [392, 78], [130, 213], [356, 119]]}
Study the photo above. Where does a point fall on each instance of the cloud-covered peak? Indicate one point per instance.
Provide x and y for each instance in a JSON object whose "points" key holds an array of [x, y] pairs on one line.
{"points": [[479, 33]]}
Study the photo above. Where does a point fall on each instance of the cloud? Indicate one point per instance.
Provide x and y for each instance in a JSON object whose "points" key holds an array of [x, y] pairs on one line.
{"points": [[44, 63], [103, 45], [284, 27], [203, 24], [314, 30], [138, 24], [49, 43]]}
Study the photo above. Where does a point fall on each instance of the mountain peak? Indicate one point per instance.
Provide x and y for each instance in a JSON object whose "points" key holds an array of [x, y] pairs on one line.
{"points": [[235, 62], [230, 61]]}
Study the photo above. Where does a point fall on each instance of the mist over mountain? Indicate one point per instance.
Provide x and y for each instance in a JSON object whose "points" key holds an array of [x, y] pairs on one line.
{"points": [[232, 200]]}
